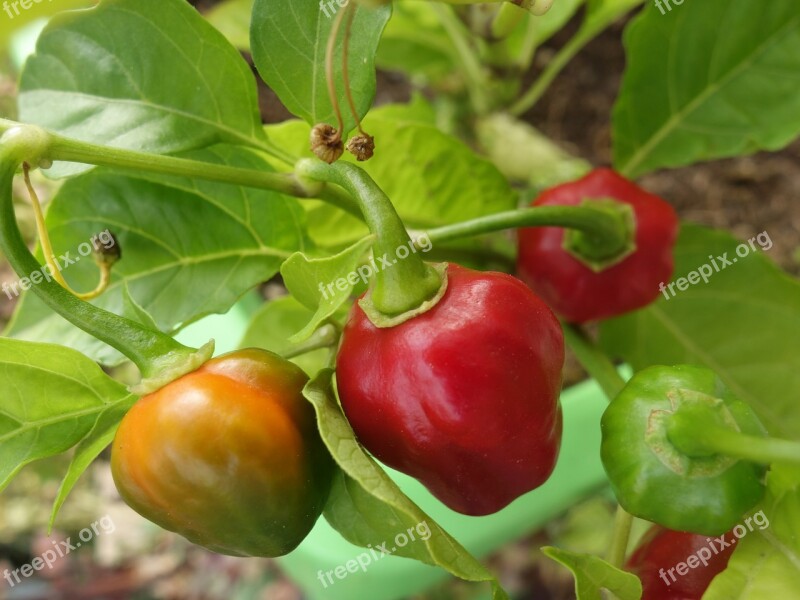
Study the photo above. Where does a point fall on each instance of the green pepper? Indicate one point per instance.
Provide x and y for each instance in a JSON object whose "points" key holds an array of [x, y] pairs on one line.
{"points": [[661, 474]]}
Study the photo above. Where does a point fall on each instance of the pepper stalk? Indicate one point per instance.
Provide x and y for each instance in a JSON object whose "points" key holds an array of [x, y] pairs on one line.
{"points": [[411, 286], [698, 430], [159, 357]]}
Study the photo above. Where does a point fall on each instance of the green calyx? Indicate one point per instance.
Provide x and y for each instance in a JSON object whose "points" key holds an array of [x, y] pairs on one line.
{"points": [[663, 474], [405, 285], [689, 457], [696, 412], [600, 252], [726, 432], [171, 366], [381, 319]]}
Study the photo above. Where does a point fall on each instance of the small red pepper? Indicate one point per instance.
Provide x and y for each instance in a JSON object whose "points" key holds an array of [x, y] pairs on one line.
{"points": [[579, 291], [464, 397], [663, 554]]}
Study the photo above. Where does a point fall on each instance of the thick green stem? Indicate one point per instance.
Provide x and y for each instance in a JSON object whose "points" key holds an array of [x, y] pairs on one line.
{"points": [[595, 361], [695, 432], [158, 356], [69, 150], [402, 284], [285, 183], [623, 521], [606, 229]]}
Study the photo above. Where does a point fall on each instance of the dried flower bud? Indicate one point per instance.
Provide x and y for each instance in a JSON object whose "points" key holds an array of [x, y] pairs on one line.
{"points": [[362, 146], [326, 143], [106, 248]]}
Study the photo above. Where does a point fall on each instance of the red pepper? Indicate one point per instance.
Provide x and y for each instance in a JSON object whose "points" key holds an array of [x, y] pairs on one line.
{"points": [[464, 397], [657, 558], [575, 290]]}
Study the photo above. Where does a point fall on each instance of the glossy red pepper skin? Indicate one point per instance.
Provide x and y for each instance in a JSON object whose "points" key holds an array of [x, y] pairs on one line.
{"points": [[464, 397], [573, 289], [662, 549], [229, 456]]}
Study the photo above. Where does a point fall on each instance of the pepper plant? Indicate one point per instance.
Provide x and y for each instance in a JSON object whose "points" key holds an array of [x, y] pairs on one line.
{"points": [[430, 342]]}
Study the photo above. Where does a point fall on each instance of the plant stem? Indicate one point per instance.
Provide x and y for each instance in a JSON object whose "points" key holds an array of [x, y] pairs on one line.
{"points": [[595, 361], [472, 67], [47, 247], [602, 370], [529, 99], [324, 337], [623, 521], [709, 438], [348, 93], [157, 355], [329, 70], [69, 150], [130, 160], [591, 27], [410, 282], [607, 228]]}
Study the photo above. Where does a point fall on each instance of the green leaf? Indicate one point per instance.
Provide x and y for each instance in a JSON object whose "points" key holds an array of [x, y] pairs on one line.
{"points": [[90, 447], [273, 325], [324, 284], [206, 243], [19, 18], [232, 19], [161, 80], [766, 562], [431, 178], [743, 324], [706, 80], [593, 574], [415, 43], [367, 507], [134, 311], [289, 41], [53, 399]]}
